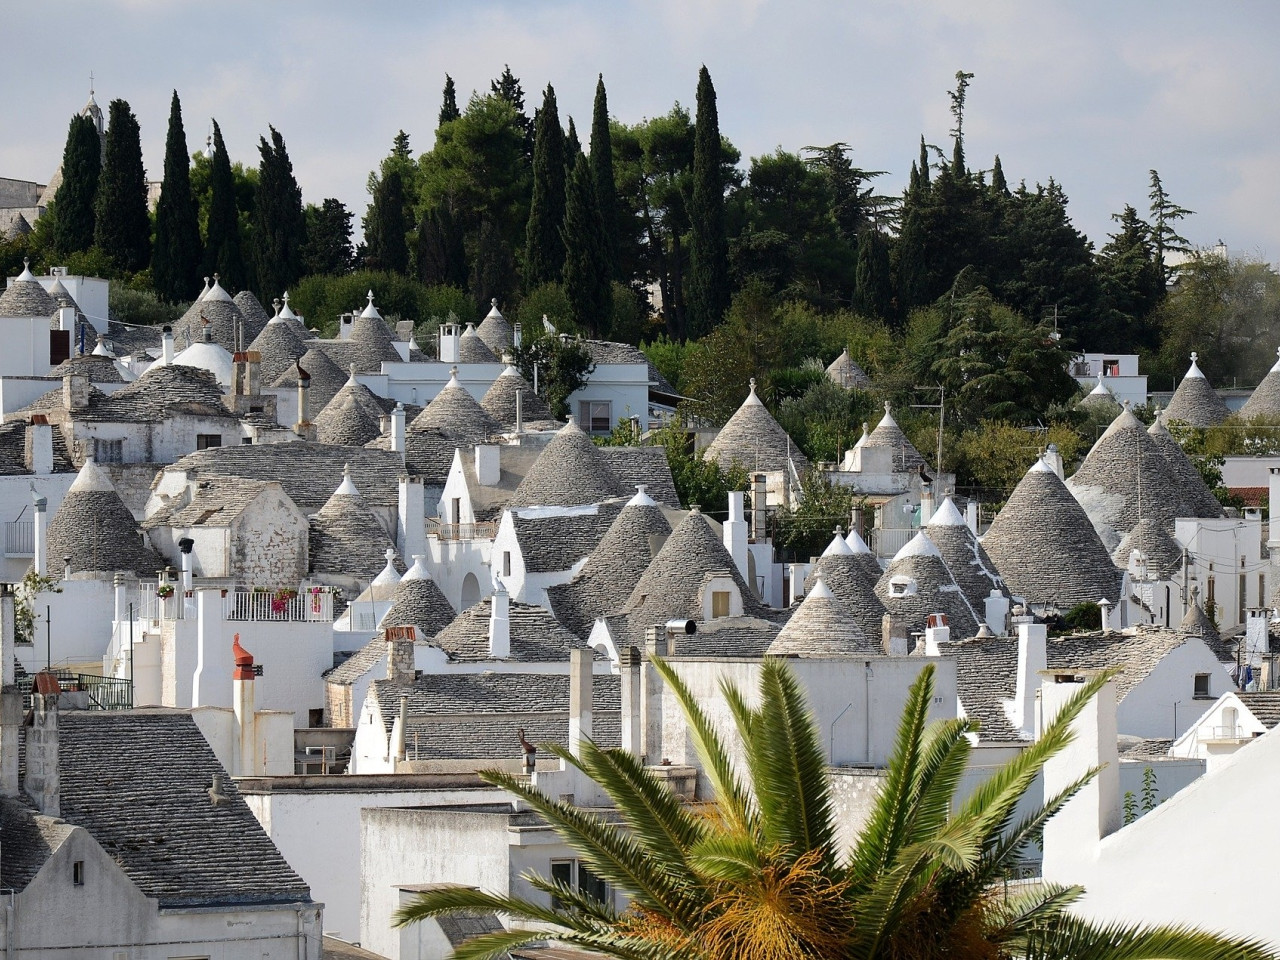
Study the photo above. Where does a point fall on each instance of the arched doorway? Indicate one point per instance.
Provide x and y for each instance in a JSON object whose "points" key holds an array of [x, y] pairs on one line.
{"points": [[470, 592]]}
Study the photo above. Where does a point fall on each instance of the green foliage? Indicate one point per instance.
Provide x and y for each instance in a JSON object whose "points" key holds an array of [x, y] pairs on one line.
{"points": [[493, 268], [442, 300], [709, 291], [544, 252], [697, 480], [995, 455], [874, 276], [122, 226], [826, 419], [1083, 617], [131, 305], [178, 255], [1165, 215], [385, 229], [75, 202], [586, 269], [632, 321], [279, 224], [327, 248], [563, 368], [24, 596], [1130, 808], [545, 300], [222, 245], [441, 255], [449, 111], [668, 356], [1149, 790], [1132, 282], [602, 176], [805, 530], [320, 298]]}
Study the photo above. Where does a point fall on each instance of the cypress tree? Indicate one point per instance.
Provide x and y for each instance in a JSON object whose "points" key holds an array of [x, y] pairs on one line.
{"points": [[74, 202], [544, 249], [280, 226], [493, 270], [176, 264], [602, 175], [386, 246], [328, 247], [122, 226], [708, 296], [442, 257], [572, 151], [586, 273], [449, 111], [222, 252], [874, 282]]}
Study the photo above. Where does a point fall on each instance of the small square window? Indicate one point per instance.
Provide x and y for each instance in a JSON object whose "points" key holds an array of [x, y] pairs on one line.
{"points": [[1201, 685], [206, 441], [561, 872], [719, 603], [108, 451], [77, 873], [596, 415], [506, 563]]}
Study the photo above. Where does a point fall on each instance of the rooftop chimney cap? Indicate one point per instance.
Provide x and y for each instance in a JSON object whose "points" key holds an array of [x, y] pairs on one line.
{"points": [[186, 544]]}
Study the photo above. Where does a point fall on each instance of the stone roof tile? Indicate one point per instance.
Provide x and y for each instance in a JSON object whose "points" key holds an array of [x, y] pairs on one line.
{"points": [[755, 440]]}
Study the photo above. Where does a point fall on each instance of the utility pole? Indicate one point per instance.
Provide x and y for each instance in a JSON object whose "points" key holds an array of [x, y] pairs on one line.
{"points": [[940, 406]]}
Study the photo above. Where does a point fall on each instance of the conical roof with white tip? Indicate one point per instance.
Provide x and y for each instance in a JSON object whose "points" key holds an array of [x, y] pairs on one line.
{"points": [[918, 583], [25, 297], [418, 602], [852, 576], [822, 627], [1198, 498], [1100, 398], [456, 413], [97, 531], [753, 439], [1265, 400], [216, 306], [352, 418], [570, 472], [1194, 402], [888, 434], [972, 569], [279, 345], [845, 372], [497, 334], [346, 537], [473, 349], [499, 401]]}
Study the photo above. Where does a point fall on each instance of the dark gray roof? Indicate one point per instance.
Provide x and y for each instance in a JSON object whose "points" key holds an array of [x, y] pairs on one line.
{"points": [[214, 501], [555, 543], [746, 636], [161, 393], [255, 317], [974, 572], [1265, 399], [499, 401], [853, 578], [353, 417], [498, 335], [1196, 623], [327, 378], [97, 368], [1195, 402], [372, 339], [29, 841], [130, 338], [418, 602], [473, 349], [1144, 748], [1198, 500], [823, 626], [1164, 555], [455, 412], [138, 781], [359, 663], [25, 297], [613, 568], [1264, 705], [634, 466], [223, 316], [13, 445], [607, 351], [278, 345], [935, 589], [348, 539], [536, 635], [1135, 655], [888, 434], [844, 370], [753, 439], [96, 530], [569, 472], [986, 676], [460, 927], [427, 453], [1045, 547]]}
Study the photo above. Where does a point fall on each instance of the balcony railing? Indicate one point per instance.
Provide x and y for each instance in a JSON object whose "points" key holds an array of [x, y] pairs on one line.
{"points": [[277, 606], [461, 531], [887, 541], [1224, 733], [105, 693], [20, 538]]}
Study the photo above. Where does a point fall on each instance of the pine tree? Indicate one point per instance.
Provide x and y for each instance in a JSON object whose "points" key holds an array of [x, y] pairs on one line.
{"points": [[708, 282], [957, 110], [602, 174], [280, 227], [442, 257], [327, 249], [176, 264], [493, 272], [509, 89], [222, 250], [874, 282], [122, 226], [1132, 282], [387, 247], [449, 111], [1164, 217], [74, 202], [544, 249], [586, 272]]}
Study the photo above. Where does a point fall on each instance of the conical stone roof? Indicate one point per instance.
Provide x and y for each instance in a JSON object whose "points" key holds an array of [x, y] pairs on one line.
{"points": [[62, 297], [497, 334], [1265, 400], [370, 340], [418, 602], [756, 441], [845, 372], [352, 418], [25, 297], [1194, 402], [346, 537], [472, 349], [98, 368], [822, 626], [614, 567], [1100, 398], [1196, 623], [286, 313], [278, 345], [570, 472], [255, 317], [888, 434], [972, 569], [18, 227], [852, 576], [327, 378], [96, 530], [216, 306], [918, 583], [1151, 537], [1045, 547], [455, 412], [499, 401], [1197, 499]]}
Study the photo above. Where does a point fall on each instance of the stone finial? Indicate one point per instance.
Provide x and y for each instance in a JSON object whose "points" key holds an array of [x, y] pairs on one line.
{"points": [[886, 408], [352, 369], [493, 302], [216, 278], [286, 298], [1194, 356], [752, 384], [453, 372], [369, 297]]}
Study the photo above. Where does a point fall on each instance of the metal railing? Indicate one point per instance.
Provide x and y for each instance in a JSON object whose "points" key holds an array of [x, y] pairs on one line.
{"points": [[887, 541], [279, 606], [105, 693], [461, 531], [19, 538], [154, 607], [1224, 733]]}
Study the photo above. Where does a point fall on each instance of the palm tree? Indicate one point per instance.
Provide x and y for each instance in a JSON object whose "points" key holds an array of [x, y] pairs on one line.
{"points": [[759, 873]]}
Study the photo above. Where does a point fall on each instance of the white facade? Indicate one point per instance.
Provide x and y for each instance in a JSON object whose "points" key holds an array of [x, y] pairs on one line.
{"points": [[89, 293], [1119, 373], [1222, 730], [1225, 566]]}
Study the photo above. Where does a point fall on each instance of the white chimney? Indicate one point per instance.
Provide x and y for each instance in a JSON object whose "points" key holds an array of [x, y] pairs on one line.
{"points": [[450, 335], [39, 445], [166, 351], [971, 515], [397, 429], [580, 676], [1054, 459], [520, 411], [1105, 605], [488, 464], [185, 546], [996, 612], [40, 540], [735, 533], [516, 336], [926, 504], [936, 633], [246, 762], [500, 623], [399, 750], [1031, 663], [411, 517]]}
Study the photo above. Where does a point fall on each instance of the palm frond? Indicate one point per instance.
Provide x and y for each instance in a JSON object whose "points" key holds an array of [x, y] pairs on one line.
{"points": [[1026, 914], [1078, 939], [496, 945], [573, 902], [733, 858], [942, 764], [447, 900]]}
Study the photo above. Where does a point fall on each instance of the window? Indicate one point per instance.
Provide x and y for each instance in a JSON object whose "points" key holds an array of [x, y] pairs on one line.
{"points": [[576, 874], [1201, 686], [1111, 368], [506, 563], [207, 441], [77, 873], [1243, 600], [108, 451], [1209, 596], [719, 603], [596, 416], [561, 872]]}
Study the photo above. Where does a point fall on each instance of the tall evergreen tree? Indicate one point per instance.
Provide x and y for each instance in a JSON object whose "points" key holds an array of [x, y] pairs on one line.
{"points": [[327, 249], [957, 110], [602, 175], [176, 264], [874, 282], [1132, 283], [586, 271], [1165, 215], [572, 150], [122, 226], [73, 208], [442, 257], [544, 249], [509, 89], [449, 111], [708, 296], [280, 227], [385, 230], [493, 271], [222, 250]]}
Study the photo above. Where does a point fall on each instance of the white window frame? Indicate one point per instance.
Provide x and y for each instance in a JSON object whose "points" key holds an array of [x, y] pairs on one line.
{"points": [[596, 416]]}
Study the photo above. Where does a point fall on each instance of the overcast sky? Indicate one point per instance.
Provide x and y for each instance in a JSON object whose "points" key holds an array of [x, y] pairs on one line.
{"points": [[1094, 94]]}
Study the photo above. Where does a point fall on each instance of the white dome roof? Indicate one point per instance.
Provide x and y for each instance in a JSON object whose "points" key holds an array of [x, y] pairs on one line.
{"points": [[208, 356]]}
